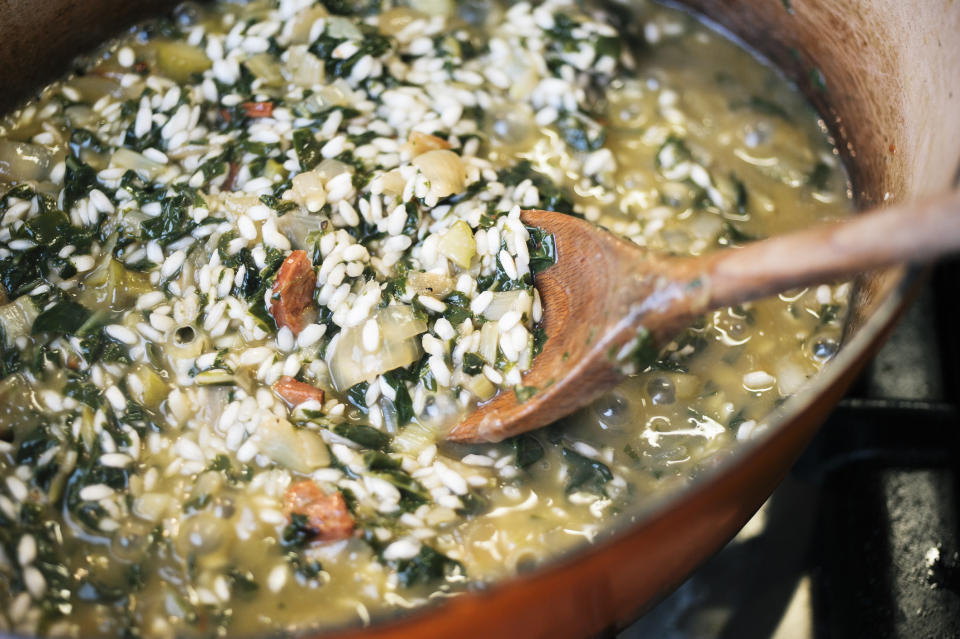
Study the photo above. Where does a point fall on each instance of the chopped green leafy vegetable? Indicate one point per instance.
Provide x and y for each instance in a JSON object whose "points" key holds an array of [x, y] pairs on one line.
{"points": [[366, 436], [65, 317], [527, 450], [585, 473], [427, 567]]}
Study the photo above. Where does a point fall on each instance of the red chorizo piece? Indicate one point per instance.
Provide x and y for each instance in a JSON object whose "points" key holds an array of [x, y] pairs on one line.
{"points": [[257, 109], [327, 515], [296, 393], [293, 291]]}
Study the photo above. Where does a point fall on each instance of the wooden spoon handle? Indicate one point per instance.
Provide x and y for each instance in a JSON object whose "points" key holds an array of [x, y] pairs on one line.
{"points": [[913, 232]]}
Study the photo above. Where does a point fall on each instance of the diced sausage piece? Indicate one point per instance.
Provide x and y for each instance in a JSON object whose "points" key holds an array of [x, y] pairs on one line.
{"points": [[257, 109], [293, 291], [296, 393], [327, 515], [422, 142]]}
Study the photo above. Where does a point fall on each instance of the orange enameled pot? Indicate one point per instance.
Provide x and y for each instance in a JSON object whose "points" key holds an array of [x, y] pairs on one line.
{"points": [[885, 76]]}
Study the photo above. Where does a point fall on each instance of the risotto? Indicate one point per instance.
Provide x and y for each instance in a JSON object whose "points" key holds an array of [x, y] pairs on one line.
{"points": [[256, 259]]}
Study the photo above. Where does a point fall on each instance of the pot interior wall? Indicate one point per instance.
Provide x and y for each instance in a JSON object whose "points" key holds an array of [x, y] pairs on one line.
{"points": [[41, 38], [885, 76]]}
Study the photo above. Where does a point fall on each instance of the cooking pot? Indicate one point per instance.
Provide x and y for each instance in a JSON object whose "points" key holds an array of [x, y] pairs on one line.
{"points": [[885, 77]]}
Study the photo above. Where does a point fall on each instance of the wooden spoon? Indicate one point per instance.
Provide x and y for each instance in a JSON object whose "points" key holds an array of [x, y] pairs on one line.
{"points": [[609, 306]]}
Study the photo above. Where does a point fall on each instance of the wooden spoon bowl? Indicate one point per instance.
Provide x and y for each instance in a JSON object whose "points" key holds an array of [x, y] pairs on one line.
{"points": [[609, 306]]}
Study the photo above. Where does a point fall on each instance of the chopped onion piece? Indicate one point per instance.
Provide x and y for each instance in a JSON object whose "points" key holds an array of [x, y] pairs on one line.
{"points": [[444, 170], [21, 162], [298, 226], [179, 61], [303, 23], [400, 322], [303, 68], [518, 300], [458, 244], [489, 340], [432, 284], [309, 190], [350, 363], [297, 449], [124, 158], [16, 318], [265, 67], [481, 387], [442, 8], [343, 28]]}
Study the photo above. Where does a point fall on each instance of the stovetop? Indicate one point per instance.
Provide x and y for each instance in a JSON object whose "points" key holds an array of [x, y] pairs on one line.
{"points": [[862, 538]]}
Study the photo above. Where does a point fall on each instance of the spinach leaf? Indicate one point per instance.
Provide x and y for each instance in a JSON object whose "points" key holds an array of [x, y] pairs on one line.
{"points": [[524, 393], [366, 436], [585, 473], [743, 197], [64, 317], [258, 307], [10, 361], [472, 363], [473, 505], [672, 152], [458, 308], [402, 402], [98, 347], [527, 450], [298, 532], [542, 247], [731, 234], [552, 197], [307, 148], [357, 395], [174, 220], [33, 445], [278, 205], [78, 180], [539, 339], [84, 392], [352, 7], [412, 493], [242, 581], [580, 132], [373, 44], [428, 566], [376, 460]]}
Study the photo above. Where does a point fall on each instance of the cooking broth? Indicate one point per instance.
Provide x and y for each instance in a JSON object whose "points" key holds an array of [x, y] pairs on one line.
{"points": [[258, 257]]}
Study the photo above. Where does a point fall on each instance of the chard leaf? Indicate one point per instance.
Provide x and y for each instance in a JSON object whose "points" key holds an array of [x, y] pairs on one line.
{"points": [[428, 566], [366, 436], [403, 403], [585, 473], [64, 317], [307, 148], [527, 450]]}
